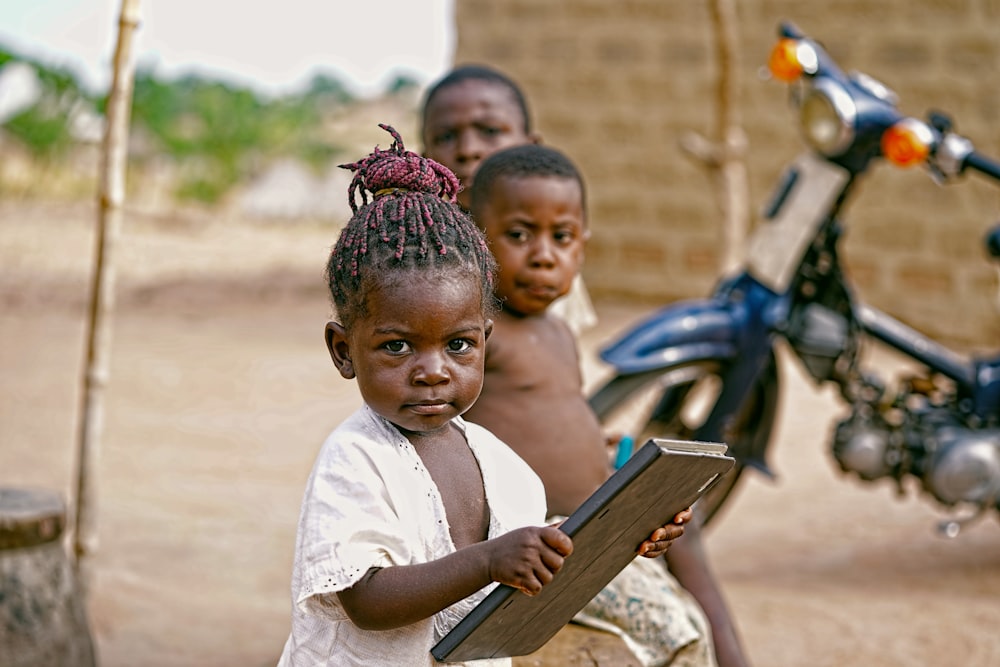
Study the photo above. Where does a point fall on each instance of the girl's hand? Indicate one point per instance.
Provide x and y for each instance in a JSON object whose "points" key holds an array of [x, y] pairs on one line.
{"points": [[662, 537], [528, 558]]}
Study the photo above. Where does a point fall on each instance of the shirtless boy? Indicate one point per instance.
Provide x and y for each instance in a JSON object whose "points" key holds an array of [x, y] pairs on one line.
{"points": [[530, 201]]}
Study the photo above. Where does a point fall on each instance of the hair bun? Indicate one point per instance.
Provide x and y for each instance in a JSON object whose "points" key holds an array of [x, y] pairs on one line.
{"points": [[398, 171]]}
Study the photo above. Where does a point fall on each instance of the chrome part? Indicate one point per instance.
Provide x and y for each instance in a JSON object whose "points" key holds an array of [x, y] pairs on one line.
{"points": [[950, 528], [861, 446], [875, 87], [951, 154], [965, 467], [828, 115]]}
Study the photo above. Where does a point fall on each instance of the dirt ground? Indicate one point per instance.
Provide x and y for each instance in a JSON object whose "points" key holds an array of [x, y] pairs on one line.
{"points": [[221, 392]]}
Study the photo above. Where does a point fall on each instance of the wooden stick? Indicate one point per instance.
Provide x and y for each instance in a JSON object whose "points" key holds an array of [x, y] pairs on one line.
{"points": [[729, 131], [111, 195], [725, 154]]}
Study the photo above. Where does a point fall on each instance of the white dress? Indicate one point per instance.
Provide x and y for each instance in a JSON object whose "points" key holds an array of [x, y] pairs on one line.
{"points": [[370, 502]]}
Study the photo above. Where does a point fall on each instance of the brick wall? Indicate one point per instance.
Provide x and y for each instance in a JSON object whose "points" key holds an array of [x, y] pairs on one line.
{"points": [[617, 84]]}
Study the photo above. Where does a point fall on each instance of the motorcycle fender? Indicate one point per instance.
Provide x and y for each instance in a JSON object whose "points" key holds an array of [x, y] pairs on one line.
{"points": [[686, 331]]}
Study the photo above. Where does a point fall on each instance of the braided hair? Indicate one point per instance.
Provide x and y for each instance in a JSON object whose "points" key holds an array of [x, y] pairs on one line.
{"points": [[404, 217]]}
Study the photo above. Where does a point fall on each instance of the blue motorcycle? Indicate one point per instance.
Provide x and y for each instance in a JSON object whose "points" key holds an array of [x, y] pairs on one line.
{"points": [[706, 369]]}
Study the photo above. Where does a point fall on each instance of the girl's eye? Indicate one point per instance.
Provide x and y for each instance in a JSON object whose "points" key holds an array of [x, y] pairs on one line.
{"points": [[396, 346], [459, 345], [518, 235]]}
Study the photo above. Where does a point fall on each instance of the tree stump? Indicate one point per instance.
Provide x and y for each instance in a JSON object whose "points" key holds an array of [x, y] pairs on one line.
{"points": [[42, 618]]}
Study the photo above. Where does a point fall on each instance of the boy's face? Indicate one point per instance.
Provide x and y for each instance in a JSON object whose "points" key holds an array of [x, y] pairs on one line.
{"points": [[467, 122], [418, 354], [537, 230]]}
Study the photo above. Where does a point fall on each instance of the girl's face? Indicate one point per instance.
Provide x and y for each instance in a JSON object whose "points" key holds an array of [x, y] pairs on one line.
{"points": [[537, 231], [419, 353], [467, 122]]}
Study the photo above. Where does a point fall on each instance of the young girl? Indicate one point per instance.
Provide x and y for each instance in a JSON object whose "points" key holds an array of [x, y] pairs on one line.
{"points": [[411, 514]]}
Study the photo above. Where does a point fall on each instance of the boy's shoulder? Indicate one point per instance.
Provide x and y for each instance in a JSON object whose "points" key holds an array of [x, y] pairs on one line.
{"points": [[522, 337], [549, 326], [526, 354]]}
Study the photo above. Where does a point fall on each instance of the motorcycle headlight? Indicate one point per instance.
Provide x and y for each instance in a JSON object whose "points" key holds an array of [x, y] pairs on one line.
{"points": [[827, 116]]}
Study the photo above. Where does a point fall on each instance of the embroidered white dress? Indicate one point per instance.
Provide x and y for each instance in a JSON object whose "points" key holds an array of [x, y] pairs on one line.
{"points": [[370, 502]]}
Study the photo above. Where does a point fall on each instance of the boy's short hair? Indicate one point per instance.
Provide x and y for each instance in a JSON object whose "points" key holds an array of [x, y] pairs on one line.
{"points": [[521, 161], [475, 72]]}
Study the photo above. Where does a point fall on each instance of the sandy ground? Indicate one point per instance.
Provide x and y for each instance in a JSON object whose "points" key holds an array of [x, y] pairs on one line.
{"points": [[221, 392]]}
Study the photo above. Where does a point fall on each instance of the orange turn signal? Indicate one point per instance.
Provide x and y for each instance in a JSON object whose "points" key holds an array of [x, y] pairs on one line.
{"points": [[783, 62], [907, 143]]}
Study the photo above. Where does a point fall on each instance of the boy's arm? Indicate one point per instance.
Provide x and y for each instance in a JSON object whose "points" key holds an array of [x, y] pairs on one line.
{"points": [[661, 538], [391, 597], [687, 561]]}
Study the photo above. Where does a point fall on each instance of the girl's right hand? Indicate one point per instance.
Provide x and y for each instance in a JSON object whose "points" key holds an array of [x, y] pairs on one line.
{"points": [[528, 558]]}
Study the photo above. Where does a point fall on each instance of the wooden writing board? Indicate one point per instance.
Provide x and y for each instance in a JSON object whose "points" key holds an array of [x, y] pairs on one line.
{"points": [[662, 478]]}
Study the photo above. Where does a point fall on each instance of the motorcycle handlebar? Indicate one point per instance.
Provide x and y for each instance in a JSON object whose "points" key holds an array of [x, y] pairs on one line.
{"points": [[984, 165], [790, 30]]}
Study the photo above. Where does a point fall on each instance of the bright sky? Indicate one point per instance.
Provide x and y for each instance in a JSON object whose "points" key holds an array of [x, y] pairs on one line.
{"points": [[271, 45]]}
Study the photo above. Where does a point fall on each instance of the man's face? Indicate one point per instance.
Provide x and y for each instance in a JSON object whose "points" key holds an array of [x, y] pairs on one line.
{"points": [[467, 122]]}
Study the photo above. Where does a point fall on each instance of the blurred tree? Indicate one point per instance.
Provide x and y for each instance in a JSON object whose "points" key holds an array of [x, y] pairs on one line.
{"points": [[326, 89], [216, 134], [220, 134], [45, 127], [401, 84]]}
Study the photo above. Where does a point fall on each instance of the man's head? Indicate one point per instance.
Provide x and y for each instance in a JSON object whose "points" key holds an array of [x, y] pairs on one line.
{"points": [[468, 115]]}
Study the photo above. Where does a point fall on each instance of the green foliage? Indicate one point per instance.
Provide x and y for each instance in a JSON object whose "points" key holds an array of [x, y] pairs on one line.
{"points": [[220, 134], [45, 127], [324, 89], [401, 84], [215, 133]]}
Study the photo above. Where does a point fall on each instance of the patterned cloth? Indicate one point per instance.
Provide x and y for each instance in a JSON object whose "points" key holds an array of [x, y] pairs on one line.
{"points": [[370, 502], [656, 618]]}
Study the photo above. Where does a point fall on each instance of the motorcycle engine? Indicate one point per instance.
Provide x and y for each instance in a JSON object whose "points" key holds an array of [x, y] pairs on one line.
{"points": [[955, 463], [964, 467]]}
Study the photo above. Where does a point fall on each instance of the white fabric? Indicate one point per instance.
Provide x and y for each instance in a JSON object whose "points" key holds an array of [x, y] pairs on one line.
{"points": [[576, 307], [370, 502]]}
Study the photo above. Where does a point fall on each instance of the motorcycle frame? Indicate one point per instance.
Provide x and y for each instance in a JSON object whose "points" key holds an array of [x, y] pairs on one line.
{"points": [[741, 321]]}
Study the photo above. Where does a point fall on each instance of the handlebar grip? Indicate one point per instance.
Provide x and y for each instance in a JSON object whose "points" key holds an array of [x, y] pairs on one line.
{"points": [[983, 165], [790, 30]]}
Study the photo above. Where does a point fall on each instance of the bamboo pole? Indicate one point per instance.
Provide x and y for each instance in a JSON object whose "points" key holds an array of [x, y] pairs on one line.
{"points": [[111, 195], [725, 153]]}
